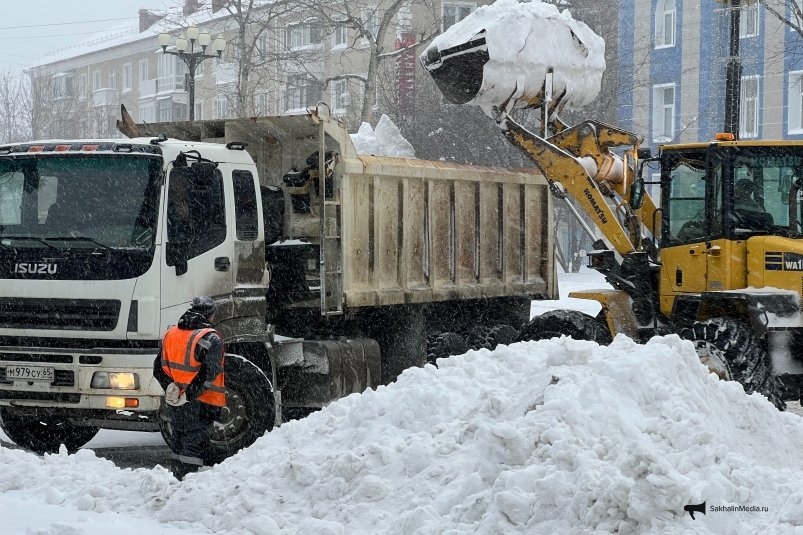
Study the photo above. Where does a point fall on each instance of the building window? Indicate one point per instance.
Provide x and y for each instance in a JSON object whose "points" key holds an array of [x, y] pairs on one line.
{"points": [[147, 112], [143, 70], [370, 21], [82, 90], [223, 109], [96, 80], [127, 77], [748, 20], [113, 79], [62, 86], [748, 107], [665, 23], [454, 12], [340, 96], [302, 92], [304, 34], [262, 48], [795, 109], [199, 111], [261, 104], [341, 36], [663, 113]]}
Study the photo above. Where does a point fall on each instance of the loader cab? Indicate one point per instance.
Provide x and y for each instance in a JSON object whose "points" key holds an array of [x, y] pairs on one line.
{"points": [[714, 198]]}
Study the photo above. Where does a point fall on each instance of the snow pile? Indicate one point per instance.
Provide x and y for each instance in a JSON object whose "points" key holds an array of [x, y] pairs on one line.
{"points": [[558, 436], [384, 140], [524, 41]]}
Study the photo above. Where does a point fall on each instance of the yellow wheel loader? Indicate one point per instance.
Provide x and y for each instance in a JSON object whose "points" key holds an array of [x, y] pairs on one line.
{"points": [[718, 256]]}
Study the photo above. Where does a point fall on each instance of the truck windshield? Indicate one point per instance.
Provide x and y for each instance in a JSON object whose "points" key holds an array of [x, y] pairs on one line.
{"points": [[105, 202]]}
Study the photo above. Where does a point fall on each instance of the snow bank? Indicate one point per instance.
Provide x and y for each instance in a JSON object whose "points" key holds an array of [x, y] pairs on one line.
{"points": [[524, 41], [558, 436], [385, 140]]}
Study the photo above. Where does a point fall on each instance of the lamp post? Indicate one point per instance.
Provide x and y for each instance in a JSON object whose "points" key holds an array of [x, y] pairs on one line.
{"points": [[185, 50]]}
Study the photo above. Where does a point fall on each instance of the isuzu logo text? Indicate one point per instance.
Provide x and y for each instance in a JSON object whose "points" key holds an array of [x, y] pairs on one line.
{"points": [[35, 268]]}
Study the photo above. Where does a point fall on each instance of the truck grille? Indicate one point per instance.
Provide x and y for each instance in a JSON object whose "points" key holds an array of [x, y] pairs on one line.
{"points": [[60, 397], [70, 314]]}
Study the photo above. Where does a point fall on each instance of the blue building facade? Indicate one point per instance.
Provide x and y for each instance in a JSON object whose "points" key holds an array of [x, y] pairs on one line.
{"points": [[673, 58]]}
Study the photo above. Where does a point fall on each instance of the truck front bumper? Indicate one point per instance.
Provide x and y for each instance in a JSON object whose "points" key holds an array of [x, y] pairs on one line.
{"points": [[105, 385]]}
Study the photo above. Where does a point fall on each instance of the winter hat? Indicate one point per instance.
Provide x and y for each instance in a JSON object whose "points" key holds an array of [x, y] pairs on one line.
{"points": [[203, 305]]}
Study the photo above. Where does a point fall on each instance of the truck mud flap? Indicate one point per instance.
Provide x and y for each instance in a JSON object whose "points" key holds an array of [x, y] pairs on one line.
{"points": [[331, 369]]}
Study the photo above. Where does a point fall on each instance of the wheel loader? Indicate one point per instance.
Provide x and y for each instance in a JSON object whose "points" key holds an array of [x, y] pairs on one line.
{"points": [[704, 240]]}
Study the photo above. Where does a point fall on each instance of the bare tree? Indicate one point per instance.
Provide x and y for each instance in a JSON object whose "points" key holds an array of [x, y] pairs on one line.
{"points": [[373, 29], [13, 88]]}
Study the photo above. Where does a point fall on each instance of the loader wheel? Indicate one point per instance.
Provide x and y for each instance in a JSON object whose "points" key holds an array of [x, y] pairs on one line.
{"points": [[571, 323], [249, 412], [444, 345], [484, 337], [44, 434], [731, 351]]}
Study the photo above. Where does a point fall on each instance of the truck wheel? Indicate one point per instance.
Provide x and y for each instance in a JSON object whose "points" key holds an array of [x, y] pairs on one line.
{"points": [[249, 412], [555, 323], [731, 351], [440, 346], [44, 434], [484, 337]]}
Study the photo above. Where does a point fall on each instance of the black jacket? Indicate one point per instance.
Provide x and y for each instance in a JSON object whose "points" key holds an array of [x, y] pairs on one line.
{"points": [[209, 352]]}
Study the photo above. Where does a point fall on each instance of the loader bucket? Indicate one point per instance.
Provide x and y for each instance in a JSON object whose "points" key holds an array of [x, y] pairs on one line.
{"points": [[458, 70]]}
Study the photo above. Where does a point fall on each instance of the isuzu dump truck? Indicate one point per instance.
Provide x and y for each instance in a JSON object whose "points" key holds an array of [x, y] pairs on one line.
{"points": [[329, 271]]}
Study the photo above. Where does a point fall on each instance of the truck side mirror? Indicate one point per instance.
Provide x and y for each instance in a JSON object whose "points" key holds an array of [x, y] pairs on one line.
{"points": [[176, 253], [637, 194]]}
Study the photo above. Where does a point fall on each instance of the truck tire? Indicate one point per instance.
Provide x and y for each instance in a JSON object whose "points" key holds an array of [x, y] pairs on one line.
{"points": [[44, 434], [484, 337], [443, 345], [573, 323], [249, 413], [731, 351]]}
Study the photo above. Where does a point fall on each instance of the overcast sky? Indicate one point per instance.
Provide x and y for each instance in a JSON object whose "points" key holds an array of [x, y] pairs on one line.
{"points": [[29, 29]]}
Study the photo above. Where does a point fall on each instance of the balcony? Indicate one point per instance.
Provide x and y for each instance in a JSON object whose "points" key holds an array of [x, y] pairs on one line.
{"points": [[106, 97]]}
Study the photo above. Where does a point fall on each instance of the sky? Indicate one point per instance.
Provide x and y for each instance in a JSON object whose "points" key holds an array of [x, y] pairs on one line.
{"points": [[30, 29], [557, 436]]}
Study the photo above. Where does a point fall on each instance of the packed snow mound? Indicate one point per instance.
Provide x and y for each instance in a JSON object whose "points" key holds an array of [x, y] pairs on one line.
{"points": [[557, 436], [525, 40], [384, 140]]}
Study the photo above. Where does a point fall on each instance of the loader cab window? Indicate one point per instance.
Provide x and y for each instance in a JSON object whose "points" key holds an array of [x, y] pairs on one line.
{"points": [[687, 208], [764, 181]]}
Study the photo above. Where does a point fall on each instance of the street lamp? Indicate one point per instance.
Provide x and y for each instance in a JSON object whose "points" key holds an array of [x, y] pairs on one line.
{"points": [[185, 50]]}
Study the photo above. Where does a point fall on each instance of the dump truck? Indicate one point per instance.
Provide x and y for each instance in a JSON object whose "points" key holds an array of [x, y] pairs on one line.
{"points": [[699, 260], [331, 269]]}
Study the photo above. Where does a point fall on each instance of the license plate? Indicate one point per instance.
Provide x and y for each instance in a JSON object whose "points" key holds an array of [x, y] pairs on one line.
{"points": [[29, 373]]}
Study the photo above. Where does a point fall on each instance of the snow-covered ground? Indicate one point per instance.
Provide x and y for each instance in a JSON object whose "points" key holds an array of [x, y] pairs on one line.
{"points": [[558, 436]]}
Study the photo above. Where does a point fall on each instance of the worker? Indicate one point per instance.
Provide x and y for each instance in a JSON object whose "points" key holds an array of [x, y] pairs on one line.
{"points": [[743, 196], [190, 369]]}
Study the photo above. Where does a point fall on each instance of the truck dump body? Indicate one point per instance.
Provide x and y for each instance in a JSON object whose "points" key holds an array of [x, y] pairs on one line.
{"points": [[397, 230]]}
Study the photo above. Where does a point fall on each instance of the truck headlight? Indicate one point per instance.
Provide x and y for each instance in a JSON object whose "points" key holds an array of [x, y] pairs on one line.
{"points": [[115, 380]]}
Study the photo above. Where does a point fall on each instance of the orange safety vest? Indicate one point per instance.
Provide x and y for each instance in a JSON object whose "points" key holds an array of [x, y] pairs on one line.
{"points": [[179, 362]]}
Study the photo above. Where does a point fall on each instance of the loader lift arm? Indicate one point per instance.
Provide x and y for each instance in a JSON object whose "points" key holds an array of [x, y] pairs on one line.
{"points": [[579, 158]]}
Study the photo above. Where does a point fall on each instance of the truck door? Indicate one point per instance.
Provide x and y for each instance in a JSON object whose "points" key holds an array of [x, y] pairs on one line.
{"points": [[197, 255]]}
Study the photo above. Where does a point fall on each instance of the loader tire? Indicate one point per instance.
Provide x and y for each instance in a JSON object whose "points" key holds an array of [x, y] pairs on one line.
{"points": [[731, 351], [443, 345], [44, 434], [573, 323], [485, 337], [249, 412]]}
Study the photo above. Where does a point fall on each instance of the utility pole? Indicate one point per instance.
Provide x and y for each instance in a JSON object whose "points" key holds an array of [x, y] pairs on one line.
{"points": [[733, 73]]}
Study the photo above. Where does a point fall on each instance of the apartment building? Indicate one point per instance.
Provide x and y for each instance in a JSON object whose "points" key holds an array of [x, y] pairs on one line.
{"points": [[274, 63], [673, 58]]}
